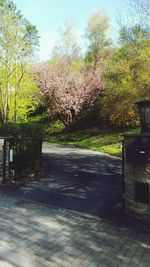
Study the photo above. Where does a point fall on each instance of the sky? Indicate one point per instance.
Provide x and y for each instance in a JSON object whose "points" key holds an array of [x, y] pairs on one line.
{"points": [[49, 15]]}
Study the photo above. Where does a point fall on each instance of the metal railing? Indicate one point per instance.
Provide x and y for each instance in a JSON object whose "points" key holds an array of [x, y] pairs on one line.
{"points": [[21, 157]]}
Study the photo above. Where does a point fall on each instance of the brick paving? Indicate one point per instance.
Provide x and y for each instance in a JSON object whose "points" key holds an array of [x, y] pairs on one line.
{"points": [[36, 235]]}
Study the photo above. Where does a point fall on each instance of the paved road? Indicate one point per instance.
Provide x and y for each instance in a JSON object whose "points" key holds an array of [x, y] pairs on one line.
{"points": [[70, 217], [76, 179]]}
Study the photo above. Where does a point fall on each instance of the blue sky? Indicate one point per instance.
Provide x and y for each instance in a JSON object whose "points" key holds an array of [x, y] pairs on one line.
{"points": [[49, 15]]}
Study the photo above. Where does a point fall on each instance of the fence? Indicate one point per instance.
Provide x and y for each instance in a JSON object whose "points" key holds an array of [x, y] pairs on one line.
{"points": [[21, 158]]}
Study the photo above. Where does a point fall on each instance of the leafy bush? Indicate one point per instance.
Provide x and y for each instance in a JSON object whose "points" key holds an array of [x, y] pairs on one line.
{"points": [[22, 130], [54, 128], [127, 81]]}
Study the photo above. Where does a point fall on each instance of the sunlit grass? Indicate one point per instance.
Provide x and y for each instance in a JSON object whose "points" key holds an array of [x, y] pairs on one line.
{"points": [[108, 142]]}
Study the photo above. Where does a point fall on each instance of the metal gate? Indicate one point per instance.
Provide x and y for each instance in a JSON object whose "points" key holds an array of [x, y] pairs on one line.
{"points": [[21, 158]]}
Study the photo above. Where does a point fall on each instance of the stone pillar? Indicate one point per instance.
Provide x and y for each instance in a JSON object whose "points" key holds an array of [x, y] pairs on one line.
{"points": [[137, 174]]}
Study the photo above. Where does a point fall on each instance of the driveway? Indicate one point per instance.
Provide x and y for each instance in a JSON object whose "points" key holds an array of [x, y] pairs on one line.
{"points": [[72, 216], [76, 179]]}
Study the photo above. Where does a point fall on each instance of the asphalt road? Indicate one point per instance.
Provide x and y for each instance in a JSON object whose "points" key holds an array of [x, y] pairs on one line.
{"points": [[75, 179]]}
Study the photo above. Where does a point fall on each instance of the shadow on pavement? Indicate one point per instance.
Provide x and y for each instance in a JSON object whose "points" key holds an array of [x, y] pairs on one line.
{"points": [[82, 181], [78, 180]]}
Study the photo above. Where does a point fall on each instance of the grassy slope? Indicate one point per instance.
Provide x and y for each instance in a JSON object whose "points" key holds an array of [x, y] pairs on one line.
{"points": [[107, 142]]}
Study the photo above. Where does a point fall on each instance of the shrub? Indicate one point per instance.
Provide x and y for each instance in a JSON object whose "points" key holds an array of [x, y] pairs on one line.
{"points": [[22, 130], [54, 128]]}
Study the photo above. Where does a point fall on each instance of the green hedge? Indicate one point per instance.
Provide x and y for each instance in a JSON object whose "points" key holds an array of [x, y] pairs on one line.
{"points": [[22, 130]]}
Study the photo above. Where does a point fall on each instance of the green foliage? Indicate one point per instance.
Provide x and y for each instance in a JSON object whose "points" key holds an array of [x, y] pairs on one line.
{"points": [[125, 71], [134, 34], [95, 139], [96, 35], [18, 40], [87, 118], [23, 101], [22, 130], [54, 127], [127, 80]]}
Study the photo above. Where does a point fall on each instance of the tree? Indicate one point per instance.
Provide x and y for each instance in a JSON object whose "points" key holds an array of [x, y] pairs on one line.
{"points": [[139, 13], [18, 39], [68, 89], [96, 35], [23, 100], [127, 81], [127, 71], [137, 22], [68, 47]]}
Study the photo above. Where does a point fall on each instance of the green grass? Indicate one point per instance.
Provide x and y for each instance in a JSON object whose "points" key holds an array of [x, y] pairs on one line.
{"points": [[109, 142]]}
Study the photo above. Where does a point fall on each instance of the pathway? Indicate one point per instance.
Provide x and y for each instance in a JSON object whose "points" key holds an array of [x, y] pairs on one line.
{"points": [[71, 217]]}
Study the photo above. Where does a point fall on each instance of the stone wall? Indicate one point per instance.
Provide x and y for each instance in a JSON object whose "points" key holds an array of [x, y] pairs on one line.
{"points": [[137, 171]]}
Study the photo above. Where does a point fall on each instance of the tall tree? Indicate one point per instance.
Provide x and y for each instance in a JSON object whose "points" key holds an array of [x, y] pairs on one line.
{"points": [[137, 23], [68, 47], [127, 77], [18, 39], [127, 72], [96, 35], [139, 13]]}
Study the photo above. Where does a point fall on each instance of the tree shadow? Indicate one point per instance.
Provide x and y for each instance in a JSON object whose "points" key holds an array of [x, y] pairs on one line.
{"points": [[74, 184], [51, 236], [77, 180]]}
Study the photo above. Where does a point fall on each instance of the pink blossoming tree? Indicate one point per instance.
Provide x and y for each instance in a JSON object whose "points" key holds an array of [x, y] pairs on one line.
{"points": [[68, 89]]}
